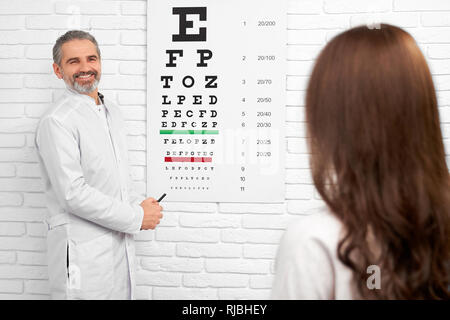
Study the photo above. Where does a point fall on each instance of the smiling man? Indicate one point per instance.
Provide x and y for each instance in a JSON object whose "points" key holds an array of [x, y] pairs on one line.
{"points": [[93, 212]]}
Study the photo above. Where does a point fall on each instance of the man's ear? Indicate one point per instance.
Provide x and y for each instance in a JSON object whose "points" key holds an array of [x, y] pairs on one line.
{"points": [[57, 70]]}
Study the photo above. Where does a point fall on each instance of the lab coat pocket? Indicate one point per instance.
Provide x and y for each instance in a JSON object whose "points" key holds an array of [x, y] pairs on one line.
{"points": [[91, 268], [93, 160], [56, 254]]}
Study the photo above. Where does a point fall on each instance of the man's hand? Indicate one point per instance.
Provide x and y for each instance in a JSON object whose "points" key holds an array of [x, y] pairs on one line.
{"points": [[152, 213]]}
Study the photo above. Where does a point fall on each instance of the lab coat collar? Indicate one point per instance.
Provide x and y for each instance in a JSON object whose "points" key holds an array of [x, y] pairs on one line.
{"points": [[85, 97], [88, 99]]}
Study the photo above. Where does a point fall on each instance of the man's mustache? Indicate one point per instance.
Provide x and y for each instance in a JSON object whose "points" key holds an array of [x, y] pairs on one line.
{"points": [[76, 75]]}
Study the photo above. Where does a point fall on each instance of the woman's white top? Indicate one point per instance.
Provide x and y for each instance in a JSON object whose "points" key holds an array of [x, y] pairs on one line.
{"points": [[307, 264]]}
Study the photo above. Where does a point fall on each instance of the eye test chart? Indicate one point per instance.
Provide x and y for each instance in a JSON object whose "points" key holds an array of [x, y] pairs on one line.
{"points": [[216, 97]]}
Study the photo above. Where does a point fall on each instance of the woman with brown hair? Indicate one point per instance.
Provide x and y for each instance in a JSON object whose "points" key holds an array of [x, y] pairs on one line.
{"points": [[378, 162]]}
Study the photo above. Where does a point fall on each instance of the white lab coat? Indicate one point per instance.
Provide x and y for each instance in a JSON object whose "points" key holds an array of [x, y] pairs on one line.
{"points": [[93, 213]]}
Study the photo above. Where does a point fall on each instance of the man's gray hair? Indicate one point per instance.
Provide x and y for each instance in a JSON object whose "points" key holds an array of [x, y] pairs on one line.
{"points": [[68, 36]]}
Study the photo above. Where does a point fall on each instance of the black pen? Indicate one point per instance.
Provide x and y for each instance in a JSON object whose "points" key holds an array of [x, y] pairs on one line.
{"points": [[162, 197]]}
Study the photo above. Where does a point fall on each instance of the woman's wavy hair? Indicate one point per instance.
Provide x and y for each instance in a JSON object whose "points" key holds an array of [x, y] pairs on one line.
{"points": [[378, 160]]}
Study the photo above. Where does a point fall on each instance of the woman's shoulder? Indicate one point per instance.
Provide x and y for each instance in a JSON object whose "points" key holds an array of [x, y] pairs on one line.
{"points": [[320, 225], [307, 265]]}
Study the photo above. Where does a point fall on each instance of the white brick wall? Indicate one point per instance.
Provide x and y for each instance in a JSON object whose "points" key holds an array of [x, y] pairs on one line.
{"points": [[200, 251]]}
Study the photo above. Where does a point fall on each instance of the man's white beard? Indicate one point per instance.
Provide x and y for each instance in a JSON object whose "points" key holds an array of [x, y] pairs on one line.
{"points": [[87, 88]]}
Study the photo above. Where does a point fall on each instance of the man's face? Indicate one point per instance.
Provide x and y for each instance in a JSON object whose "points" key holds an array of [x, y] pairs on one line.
{"points": [[80, 66]]}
